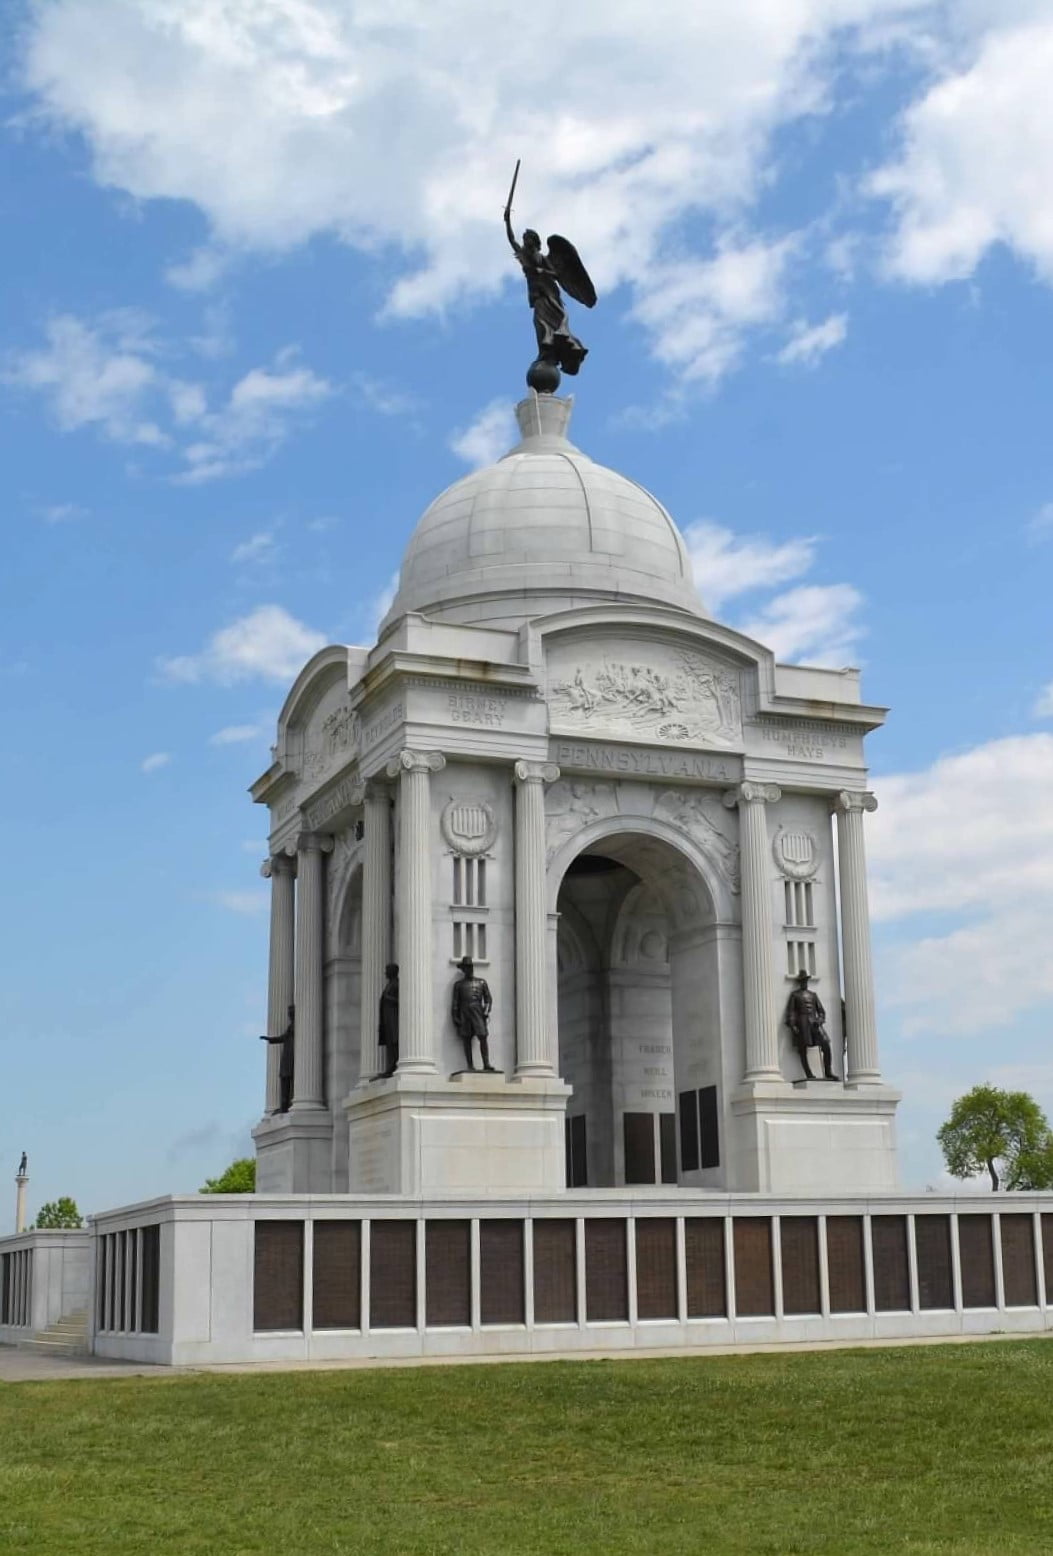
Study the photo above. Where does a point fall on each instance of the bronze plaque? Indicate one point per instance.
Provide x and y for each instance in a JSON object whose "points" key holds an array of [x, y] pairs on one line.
{"points": [[704, 1257], [932, 1244], [688, 1102], [754, 1290], [638, 1133], [393, 1275], [708, 1127], [555, 1272], [667, 1146], [501, 1272], [1047, 1255], [151, 1279], [1018, 1260], [976, 1253], [844, 1263], [448, 1274], [337, 1275], [606, 1271], [799, 1236], [655, 1267], [888, 1236], [277, 1299]]}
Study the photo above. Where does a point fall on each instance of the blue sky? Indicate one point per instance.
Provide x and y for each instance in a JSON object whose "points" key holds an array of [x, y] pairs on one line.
{"points": [[259, 310]]}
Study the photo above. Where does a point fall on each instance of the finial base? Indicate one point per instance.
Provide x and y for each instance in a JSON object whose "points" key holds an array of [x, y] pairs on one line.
{"points": [[543, 377]]}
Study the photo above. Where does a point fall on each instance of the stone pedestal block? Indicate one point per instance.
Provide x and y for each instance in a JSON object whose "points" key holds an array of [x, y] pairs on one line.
{"points": [[816, 1137], [294, 1153]]}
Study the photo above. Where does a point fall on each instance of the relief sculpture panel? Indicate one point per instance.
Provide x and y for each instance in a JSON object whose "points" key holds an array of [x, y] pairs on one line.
{"points": [[654, 691]]}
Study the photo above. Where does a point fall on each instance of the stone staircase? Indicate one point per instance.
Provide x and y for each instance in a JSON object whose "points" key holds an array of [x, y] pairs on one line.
{"points": [[69, 1337]]}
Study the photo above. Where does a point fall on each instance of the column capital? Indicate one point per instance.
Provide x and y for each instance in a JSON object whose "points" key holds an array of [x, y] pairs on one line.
{"points": [[854, 799], [314, 843], [278, 864], [536, 772], [409, 761], [752, 794]]}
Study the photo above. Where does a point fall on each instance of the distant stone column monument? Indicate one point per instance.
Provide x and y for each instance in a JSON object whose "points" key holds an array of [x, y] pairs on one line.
{"points": [[21, 1180]]}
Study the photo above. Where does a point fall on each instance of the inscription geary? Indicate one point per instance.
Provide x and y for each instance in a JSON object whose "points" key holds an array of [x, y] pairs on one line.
{"points": [[662, 692], [465, 708]]}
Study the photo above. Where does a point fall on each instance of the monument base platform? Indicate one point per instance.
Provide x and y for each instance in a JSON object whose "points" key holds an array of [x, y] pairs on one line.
{"points": [[294, 1152], [477, 1131], [814, 1137]]}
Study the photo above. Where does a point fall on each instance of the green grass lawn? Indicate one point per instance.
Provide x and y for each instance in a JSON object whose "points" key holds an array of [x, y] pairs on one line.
{"points": [[945, 1448]]}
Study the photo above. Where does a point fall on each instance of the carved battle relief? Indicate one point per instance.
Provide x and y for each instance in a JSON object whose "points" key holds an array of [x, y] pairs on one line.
{"points": [[571, 806], [652, 691], [702, 819]]}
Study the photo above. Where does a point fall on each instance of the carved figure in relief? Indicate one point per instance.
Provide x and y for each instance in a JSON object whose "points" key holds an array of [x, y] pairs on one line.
{"points": [[688, 811], [570, 807], [286, 1061], [690, 699], [806, 1020], [470, 1008], [388, 1031]]}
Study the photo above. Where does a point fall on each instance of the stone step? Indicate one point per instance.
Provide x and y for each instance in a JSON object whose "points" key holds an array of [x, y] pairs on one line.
{"points": [[67, 1337]]}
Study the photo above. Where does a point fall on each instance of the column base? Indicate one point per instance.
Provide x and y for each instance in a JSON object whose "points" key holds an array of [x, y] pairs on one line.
{"points": [[813, 1137], [294, 1153], [474, 1131]]}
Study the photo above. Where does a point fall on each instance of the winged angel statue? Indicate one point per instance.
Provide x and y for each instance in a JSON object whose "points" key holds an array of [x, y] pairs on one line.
{"points": [[557, 349]]}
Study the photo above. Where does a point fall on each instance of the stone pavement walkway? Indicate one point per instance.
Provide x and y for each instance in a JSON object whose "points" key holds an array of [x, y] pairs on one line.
{"points": [[28, 1366]]}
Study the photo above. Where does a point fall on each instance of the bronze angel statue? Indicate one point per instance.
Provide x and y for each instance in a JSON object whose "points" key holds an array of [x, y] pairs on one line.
{"points": [[557, 349]]}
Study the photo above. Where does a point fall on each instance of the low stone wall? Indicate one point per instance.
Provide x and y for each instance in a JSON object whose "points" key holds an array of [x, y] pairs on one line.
{"points": [[300, 1277], [45, 1276]]}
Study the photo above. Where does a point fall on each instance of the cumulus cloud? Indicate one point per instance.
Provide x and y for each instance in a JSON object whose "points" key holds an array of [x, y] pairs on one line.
{"points": [[249, 903], [267, 644], [154, 762], [284, 120], [258, 548], [243, 433], [725, 565], [1043, 708], [815, 624], [491, 434], [237, 734], [97, 376], [62, 512], [809, 342]]}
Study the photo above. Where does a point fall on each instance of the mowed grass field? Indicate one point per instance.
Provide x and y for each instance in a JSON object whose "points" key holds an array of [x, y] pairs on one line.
{"points": [[943, 1448]]}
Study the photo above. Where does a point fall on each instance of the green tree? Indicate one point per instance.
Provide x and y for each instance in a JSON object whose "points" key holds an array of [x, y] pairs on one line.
{"points": [[990, 1129], [239, 1178], [60, 1213]]}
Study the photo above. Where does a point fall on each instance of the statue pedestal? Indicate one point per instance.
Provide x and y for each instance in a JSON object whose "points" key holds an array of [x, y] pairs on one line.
{"points": [[294, 1153], [813, 1137], [472, 1131]]}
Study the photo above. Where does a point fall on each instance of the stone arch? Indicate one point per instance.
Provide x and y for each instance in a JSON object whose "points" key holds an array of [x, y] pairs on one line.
{"points": [[343, 987], [622, 835]]}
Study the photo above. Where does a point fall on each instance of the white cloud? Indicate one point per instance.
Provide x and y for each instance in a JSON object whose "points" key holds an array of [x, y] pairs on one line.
{"points": [[395, 128], [1041, 524], [62, 512], [491, 434], [254, 422], [815, 624], [382, 397], [249, 903], [969, 840], [258, 548], [93, 376], [199, 271], [237, 734], [154, 763], [976, 161], [809, 342], [1043, 708], [725, 565], [267, 644]]}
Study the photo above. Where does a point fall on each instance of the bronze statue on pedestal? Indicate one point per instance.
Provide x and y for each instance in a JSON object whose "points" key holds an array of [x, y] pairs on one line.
{"points": [[389, 1018], [806, 1020], [471, 1006]]}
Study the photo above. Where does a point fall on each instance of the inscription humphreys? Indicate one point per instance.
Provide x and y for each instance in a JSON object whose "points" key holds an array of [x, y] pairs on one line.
{"points": [[464, 708], [809, 740], [638, 762]]}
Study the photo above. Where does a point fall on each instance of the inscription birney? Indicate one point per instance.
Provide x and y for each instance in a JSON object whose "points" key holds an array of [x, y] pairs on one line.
{"points": [[637, 763], [463, 708]]}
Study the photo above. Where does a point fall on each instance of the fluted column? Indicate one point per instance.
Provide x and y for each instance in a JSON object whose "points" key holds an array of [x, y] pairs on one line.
{"points": [[281, 976], [416, 1013], [860, 1015], [376, 921], [533, 1050], [758, 962], [309, 1030]]}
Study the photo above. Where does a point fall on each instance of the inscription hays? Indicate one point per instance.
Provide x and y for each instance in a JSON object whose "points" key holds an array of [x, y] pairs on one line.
{"points": [[808, 740]]}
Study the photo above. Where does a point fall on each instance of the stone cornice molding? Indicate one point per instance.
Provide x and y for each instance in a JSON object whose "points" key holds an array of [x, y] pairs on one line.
{"points": [[409, 761], [752, 794], [536, 772], [859, 799]]}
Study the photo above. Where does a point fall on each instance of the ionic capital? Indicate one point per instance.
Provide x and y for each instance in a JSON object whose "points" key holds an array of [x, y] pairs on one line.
{"points": [[536, 772], [409, 761], [314, 843], [752, 794], [278, 864], [855, 799]]}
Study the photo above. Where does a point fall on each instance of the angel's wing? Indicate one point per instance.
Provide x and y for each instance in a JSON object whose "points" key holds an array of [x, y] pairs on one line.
{"points": [[570, 272]]}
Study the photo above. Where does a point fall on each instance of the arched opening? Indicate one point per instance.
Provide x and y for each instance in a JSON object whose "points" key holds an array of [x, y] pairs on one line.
{"points": [[343, 996], [645, 967]]}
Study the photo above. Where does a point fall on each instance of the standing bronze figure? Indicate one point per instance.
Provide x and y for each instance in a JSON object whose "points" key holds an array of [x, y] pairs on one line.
{"points": [[557, 349], [286, 1062], [472, 1003], [389, 1018], [806, 1020]]}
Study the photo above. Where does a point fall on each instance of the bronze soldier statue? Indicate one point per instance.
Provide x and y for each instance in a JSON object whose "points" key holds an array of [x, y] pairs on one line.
{"points": [[806, 1020], [285, 1063], [389, 1018], [472, 1003]]}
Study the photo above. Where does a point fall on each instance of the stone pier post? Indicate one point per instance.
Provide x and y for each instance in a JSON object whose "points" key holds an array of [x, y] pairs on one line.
{"points": [[281, 872], [860, 1015], [533, 1048], [758, 963], [309, 1031], [416, 1012], [376, 922]]}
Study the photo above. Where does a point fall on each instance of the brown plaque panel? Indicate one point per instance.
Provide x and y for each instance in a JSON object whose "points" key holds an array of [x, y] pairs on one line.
{"points": [[1047, 1256], [151, 1278], [393, 1275], [555, 1272], [667, 1142], [754, 1290], [447, 1273], [704, 1257], [6, 1262], [501, 1272], [844, 1262], [278, 1287], [976, 1252], [120, 1265], [577, 1156], [606, 1272], [932, 1244], [709, 1127], [338, 1275], [655, 1267], [891, 1271], [100, 1280], [799, 1236], [1018, 1261], [689, 1131], [638, 1130]]}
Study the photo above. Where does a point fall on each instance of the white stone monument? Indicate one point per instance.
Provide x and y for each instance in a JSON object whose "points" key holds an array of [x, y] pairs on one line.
{"points": [[555, 762]]}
